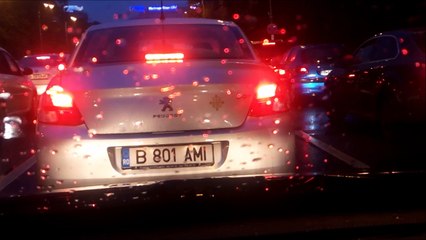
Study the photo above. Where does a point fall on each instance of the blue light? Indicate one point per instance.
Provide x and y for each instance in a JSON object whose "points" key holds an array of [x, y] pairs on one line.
{"points": [[165, 8], [138, 8]]}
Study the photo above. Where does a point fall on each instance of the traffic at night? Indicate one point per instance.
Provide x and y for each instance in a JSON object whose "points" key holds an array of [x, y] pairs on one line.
{"points": [[213, 119]]}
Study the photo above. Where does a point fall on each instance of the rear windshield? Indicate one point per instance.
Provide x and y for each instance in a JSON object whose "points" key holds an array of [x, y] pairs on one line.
{"points": [[127, 44], [41, 61], [326, 54]]}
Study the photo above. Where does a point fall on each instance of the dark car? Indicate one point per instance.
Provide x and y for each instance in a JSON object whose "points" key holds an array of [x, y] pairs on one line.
{"points": [[305, 67], [383, 83], [44, 67], [18, 100]]}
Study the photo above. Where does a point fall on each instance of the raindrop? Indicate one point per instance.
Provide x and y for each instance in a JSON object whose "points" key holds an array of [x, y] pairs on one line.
{"points": [[99, 116], [53, 152], [275, 131], [110, 194], [92, 132], [256, 159], [270, 146]]}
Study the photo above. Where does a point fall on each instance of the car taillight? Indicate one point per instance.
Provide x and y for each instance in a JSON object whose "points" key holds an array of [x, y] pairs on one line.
{"points": [[57, 107], [270, 99]]}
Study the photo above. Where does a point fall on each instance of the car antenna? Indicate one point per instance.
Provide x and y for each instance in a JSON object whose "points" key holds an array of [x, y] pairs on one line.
{"points": [[162, 17]]}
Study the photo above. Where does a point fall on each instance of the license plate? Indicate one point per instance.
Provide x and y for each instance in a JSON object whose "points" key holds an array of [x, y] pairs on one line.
{"points": [[174, 156], [38, 76]]}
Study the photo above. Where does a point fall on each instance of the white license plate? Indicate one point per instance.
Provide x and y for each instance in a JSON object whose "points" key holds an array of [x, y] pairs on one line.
{"points": [[192, 155], [37, 76]]}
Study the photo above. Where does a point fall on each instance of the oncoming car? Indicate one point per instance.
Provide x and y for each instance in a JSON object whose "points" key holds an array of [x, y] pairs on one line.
{"points": [[151, 100]]}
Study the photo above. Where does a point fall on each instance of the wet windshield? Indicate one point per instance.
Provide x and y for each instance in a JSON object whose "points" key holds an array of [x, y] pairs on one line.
{"points": [[213, 119]]}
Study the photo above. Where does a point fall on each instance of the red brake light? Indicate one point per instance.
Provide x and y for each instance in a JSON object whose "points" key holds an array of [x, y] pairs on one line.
{"points": [[164, 57], [270, 99], [57, 107], [266, 90]]}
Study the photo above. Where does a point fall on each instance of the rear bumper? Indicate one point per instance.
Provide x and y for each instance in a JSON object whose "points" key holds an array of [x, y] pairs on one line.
{"points": [[71, 158]]}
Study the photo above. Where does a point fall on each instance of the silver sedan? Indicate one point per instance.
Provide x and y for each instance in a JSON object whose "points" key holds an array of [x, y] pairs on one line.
{"points": [[150, 100]]}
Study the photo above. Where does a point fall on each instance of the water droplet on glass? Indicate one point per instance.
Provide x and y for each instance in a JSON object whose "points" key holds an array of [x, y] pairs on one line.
{"points": [[92, 132]]}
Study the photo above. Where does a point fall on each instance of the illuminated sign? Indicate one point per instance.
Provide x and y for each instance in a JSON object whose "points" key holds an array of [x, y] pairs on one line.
{"points": [[73, 8]]}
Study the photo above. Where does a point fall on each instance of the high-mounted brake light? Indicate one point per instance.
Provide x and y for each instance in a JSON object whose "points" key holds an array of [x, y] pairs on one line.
{"points": [[42, 57], [164, 57], [57, 107]]}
